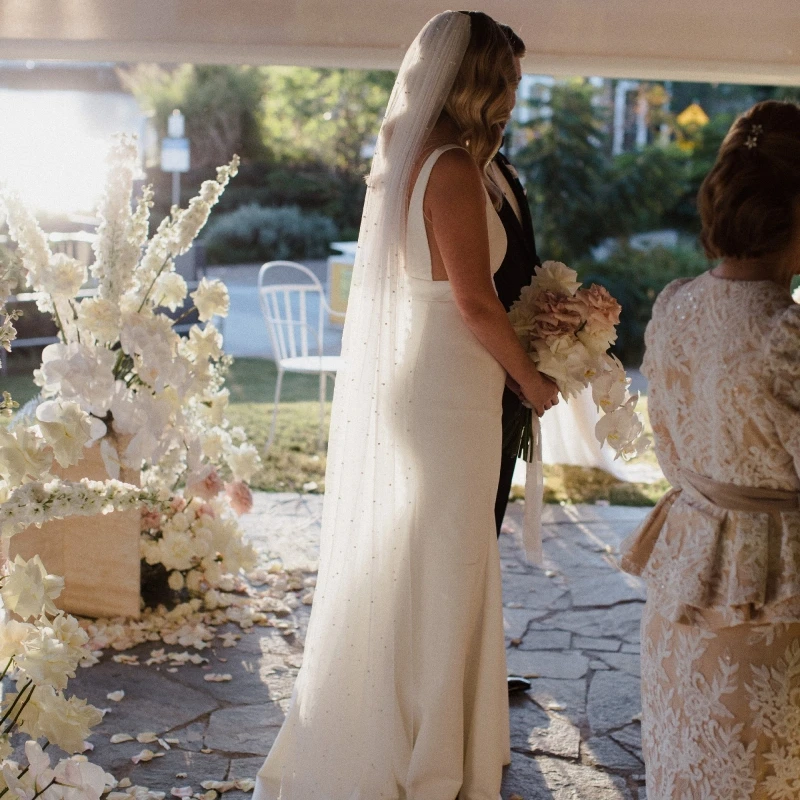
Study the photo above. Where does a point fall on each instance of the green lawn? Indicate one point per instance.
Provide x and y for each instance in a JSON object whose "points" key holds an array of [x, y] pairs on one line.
{"points": [[294, 461]]}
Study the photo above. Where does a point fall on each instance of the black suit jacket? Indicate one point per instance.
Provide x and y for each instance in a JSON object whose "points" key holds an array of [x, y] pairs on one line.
{"points": [[516, 271]]}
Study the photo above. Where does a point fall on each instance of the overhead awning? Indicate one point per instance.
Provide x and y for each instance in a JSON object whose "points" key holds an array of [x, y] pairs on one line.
{"points": [[703, 40]]}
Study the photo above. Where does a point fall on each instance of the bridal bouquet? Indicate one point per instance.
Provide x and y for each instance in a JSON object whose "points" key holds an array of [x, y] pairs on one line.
{"points": [[567, 330]]}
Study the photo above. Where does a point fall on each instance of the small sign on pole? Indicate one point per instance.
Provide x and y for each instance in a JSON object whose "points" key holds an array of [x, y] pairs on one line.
{"points": [[175, 153]]}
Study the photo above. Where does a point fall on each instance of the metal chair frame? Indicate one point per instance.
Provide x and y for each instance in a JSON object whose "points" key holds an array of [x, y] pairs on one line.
{"points": [[293, 336]]}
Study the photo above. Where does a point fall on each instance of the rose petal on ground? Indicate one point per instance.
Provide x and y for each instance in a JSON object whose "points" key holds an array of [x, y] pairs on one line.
{"points": [[116, 696], [181, 791], [148, 737], [118, 738]]}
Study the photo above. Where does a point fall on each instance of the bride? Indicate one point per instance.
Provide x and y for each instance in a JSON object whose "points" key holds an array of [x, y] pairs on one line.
{"points": [[402, 693]]}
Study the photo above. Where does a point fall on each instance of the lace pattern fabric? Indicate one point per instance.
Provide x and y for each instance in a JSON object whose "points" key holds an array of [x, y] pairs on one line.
{"points": [[721, 628], [722, 363]]}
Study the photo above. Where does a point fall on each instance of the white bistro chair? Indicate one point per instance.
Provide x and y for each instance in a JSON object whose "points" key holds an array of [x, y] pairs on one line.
{"points": [[295, 328]]}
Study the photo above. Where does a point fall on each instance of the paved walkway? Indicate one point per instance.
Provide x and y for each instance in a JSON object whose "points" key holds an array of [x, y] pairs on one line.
{"points": [[573, 627]]}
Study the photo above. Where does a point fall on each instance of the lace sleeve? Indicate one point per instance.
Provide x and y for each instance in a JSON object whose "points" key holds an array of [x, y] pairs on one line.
{"points": [[660, 310], [653, 367], [782, 362]]}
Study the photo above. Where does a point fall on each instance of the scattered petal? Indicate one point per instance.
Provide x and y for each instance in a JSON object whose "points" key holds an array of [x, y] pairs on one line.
{"points": [[216, 677], [144, 755], [118, 738], [148, 737], [116, 696], [182, 791]]}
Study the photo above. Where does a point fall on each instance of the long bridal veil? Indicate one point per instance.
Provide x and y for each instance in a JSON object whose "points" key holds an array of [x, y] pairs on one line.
{"points": [[346, 721]]}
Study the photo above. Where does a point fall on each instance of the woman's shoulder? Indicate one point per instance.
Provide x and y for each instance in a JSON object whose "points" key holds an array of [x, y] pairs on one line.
{"points": [[667, 295], [782, 355], [454, 163], [455, 178]]}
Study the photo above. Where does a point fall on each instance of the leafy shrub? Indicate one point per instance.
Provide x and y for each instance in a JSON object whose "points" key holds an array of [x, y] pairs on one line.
{"points": [[254, 233], [635, 277]]}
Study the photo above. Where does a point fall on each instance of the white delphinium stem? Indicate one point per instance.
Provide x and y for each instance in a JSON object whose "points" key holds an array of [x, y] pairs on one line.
{"points": [[116, 249], [176, 233], [32, 243]]}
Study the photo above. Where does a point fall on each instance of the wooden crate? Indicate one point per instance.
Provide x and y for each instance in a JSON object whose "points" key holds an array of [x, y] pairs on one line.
{"points": [[97, 556]]}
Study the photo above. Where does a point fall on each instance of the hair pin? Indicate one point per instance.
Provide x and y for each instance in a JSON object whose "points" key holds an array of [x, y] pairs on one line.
{"points": [[752, 140]]}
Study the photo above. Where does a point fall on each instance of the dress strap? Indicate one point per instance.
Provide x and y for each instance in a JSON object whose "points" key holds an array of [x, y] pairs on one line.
{"points": [[419, 254]]}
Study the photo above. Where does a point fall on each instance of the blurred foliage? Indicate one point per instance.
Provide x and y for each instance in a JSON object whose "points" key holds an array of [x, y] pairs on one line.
{"points": [[255, 233], [304, 135], [221, 105], [579, 193]]}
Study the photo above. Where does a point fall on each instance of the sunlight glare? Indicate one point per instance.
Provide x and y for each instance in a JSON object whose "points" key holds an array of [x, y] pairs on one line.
{"points": [[49, 153]]}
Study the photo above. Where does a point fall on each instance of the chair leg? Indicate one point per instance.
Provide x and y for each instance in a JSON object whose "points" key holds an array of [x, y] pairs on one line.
{"points": [[323, 385], [274, 411]]}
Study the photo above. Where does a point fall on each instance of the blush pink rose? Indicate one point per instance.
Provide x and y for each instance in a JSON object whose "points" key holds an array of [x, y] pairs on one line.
{"points": [[240, 496], [206, 510], [177, 503], [554, 316], [150, 519], [205, 484], [600, 309]]}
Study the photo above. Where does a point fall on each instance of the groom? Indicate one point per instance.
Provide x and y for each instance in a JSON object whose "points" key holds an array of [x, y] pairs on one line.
{"points": [[515, 272]]}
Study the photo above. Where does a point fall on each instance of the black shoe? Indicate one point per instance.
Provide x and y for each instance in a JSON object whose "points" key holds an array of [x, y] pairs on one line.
{"points": [[517, 684]]}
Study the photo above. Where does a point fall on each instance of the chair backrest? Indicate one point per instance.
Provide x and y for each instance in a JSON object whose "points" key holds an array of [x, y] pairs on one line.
{"points": [[293, 312]]}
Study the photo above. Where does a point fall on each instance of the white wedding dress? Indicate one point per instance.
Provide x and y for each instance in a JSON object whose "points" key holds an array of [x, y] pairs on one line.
{"points": [[450, 703]]}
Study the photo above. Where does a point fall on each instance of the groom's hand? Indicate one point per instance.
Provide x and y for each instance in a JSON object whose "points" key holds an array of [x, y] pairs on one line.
{"points": [[514, 387]]}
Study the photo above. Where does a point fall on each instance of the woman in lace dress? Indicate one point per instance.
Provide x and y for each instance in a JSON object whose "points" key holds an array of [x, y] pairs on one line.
{"points": [[721, 552]]}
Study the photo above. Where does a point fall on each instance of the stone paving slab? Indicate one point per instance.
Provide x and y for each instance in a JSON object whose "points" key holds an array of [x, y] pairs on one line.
{"points": [[572, 625]]}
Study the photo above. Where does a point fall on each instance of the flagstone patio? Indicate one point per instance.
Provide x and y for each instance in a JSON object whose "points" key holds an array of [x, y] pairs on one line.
{"points": [[572, 627]]}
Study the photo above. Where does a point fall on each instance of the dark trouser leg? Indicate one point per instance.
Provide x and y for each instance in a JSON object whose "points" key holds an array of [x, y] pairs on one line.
{"points": [[511, 406], [503, 489]]}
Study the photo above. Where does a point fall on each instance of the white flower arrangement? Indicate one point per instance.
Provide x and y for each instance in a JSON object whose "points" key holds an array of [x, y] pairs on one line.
{"points": [[120, 366], [120, 373]]}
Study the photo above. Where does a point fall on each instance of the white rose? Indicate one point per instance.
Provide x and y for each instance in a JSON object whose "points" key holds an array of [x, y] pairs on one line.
{"points": [[211, 299], [170, 290], [194, 581], [176, 581], [177, 551]]}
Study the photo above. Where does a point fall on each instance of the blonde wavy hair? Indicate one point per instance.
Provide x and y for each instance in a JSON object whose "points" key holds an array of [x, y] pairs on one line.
{"points": [[478, 102]]}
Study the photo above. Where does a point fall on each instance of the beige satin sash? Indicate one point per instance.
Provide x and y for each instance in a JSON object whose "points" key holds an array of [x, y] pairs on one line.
{"points": [[726, 496]]}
